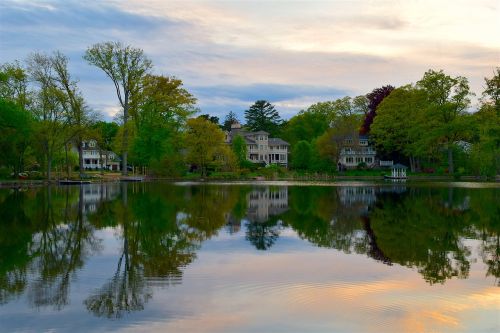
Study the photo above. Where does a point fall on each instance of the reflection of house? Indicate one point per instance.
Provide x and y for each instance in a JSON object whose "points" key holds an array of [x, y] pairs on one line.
{"points": [[95, 158], [350, 195], [94, 194], [265, 202], [356, 151], [260, 147]]}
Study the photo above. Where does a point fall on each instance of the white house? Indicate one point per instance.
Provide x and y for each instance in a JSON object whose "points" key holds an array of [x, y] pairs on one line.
{"points": [[356, 150], [260, 147], [95, 158]]}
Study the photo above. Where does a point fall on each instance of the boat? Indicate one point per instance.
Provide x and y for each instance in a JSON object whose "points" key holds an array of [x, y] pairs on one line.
{"points": [[73, 182], [132, 179]]}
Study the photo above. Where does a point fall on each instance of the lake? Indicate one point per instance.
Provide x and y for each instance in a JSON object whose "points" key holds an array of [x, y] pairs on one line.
{"points": [[271, 257]]}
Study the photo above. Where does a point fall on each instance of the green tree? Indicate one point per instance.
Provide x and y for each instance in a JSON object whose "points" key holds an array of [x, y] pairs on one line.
{"points": [[301, 155], [125, 66], [78, 115], [447, 101], [16, 127], [396, 128], [239, 148], [160, 113], [202, 140], [230, 119], [262, 116], [14, 84], [52, 127]]}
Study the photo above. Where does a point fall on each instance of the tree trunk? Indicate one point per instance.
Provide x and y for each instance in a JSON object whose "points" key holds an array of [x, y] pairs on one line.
{"points": [[450, 159], [49, 166], [67, 160], [125, 138], [412, 164], [80, 158]]}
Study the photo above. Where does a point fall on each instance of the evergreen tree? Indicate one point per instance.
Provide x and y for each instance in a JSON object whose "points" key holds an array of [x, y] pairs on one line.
{"points": [[262, 116], [229, 120]]}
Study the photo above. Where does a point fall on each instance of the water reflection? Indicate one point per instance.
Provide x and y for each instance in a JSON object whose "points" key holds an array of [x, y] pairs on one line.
{"points": [[48, 234]]}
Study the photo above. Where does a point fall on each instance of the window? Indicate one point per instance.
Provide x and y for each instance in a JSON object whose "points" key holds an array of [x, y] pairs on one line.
{"points": [[349, 160], [369, 160], [359, 159], [348, 141], [363, 142]]}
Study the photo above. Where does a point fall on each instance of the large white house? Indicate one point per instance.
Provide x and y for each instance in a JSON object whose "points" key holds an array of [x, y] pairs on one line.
{"points": [[356, 151], [260, 147], [94, 158]]}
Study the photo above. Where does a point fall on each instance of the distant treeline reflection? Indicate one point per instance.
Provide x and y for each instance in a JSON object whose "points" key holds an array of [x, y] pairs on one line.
{"points": [[47, 234]]}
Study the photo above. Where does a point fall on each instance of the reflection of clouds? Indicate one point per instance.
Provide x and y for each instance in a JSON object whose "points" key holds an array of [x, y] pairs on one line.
{"points": [[317, 290]]}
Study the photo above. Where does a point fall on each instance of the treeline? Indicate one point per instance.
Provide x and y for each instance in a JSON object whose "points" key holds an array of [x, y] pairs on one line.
{"points": [[45, 120]]}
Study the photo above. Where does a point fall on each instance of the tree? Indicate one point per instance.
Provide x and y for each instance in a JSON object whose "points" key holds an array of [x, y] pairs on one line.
{"points": [[448, 99], [14, 84], [306, 125], [160, 112], [229, 120], [202, 140], [491, 93], [262, 116], [239, 148], [49, 109], [396, 129], [374, 99], [331, 142], [16, 128], [125, 66], [212, 119], [79, 117], [301, 155]]}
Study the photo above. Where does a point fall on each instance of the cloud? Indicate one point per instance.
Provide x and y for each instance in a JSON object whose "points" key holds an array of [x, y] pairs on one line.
{"points": [[290, 52]]}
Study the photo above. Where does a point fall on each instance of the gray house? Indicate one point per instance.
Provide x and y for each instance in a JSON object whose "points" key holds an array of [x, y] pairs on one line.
{"points": [[260, 147], [356, 150]]}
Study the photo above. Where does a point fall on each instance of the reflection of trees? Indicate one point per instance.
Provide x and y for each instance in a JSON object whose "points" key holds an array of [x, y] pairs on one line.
{"points": [[419, 231], [263, 235], [162, 227], [54, 240]]}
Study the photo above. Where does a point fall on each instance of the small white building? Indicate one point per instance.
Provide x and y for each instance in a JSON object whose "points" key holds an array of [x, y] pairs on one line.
{"points": [[260, 147]]}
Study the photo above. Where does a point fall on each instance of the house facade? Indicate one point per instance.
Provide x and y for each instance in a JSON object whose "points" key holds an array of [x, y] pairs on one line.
{"points": [[94, 158], [355, 151], [260, 147]]}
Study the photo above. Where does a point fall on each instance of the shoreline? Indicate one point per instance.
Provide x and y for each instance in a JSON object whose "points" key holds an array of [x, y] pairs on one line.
{"points": [[13, 184]]}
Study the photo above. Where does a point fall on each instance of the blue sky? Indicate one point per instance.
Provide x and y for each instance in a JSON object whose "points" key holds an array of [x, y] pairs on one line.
{"points": [[292, 53]]}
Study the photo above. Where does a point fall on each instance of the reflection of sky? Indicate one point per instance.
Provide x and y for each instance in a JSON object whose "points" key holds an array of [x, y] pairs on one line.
{"points": [[293, 287]]}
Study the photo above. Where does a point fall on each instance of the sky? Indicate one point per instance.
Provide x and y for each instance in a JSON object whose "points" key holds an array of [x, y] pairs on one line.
{"points": [[292, 53]]}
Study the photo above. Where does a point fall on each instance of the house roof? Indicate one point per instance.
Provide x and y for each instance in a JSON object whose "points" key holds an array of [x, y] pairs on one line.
{"points": [[399, 166], [277, 141], [260, 132]]}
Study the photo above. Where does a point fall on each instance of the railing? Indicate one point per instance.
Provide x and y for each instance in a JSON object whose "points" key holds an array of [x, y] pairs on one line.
{"points": [[386, 163]]}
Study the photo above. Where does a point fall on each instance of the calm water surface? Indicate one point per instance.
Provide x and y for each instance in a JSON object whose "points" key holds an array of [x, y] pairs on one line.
{"points": [[150, 257]]}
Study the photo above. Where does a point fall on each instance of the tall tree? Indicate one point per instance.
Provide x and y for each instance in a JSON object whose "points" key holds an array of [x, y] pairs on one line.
{"points": [[125, 66], [374, 99], [262, 116], [160, 113], [79, 116], [396, 129], [448, 99], [229, 120], [49, 109]]}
